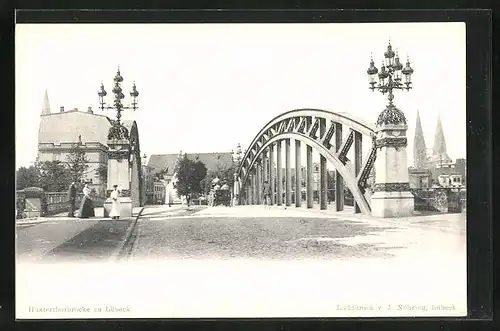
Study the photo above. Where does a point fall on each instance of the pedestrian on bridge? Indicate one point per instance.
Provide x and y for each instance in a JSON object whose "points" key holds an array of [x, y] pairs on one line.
{"points": [[72, 199], [87, 205], [115, 204], [266, 192]]}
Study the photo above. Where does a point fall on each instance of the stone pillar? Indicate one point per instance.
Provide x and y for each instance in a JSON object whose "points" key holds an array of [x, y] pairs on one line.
{"points": [[265, 167], [254, 187], [358, 160], [258, 188], [309, 169], [339, 181], [298, 164], [249, 190], [309, 177], [323, 180], [279, 179], [272, 180], [392, 196], [288, 174], [119, 174]]}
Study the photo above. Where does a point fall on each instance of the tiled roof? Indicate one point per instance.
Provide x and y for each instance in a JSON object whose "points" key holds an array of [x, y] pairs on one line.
{"points": [[67, 126], [211, 160]]}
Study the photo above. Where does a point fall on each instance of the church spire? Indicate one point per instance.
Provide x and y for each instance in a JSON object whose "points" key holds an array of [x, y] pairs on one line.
{"points": [[419, 148], [46, 105], [439, 150]]}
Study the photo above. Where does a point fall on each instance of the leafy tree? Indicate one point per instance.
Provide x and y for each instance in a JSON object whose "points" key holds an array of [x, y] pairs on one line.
{"points": [[27, 177], [102, 173], [189, 176], [77, 162], [54, 176]]}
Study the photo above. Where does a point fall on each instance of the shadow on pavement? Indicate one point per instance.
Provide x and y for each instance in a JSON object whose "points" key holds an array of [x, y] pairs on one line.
{"points": [[97, 242]]}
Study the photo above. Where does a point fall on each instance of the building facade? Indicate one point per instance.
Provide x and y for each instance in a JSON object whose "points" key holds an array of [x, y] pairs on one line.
{"points": [[148, 188], [59, 132], [159, 191]]}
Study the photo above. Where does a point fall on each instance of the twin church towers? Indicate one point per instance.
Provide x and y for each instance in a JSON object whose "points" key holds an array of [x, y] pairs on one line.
{"points": [[439, 155]]}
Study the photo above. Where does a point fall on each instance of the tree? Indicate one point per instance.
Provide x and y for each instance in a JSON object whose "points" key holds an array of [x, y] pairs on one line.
{"points": [[77, 162], [27, 177], [54, 176], [189, 176], [102, 173]]}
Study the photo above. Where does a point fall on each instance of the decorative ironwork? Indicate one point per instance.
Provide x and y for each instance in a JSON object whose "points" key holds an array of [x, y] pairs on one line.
{"points": [[302, 125], [396, 143], [345, 147], [329, 135], [391, 115], [314, 129], [389, 79], [365, 173], [118, 132], [391, 187]]}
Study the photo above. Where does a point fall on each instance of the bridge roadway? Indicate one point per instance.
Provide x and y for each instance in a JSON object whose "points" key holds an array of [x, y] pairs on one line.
{"points": [[251, 261]]}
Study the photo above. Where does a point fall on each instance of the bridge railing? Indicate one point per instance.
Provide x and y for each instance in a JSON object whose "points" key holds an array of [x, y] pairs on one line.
{"points": [[442, 199], [51, 203]]}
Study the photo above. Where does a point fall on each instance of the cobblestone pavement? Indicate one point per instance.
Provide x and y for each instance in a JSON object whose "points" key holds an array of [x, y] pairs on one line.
{"points": [[286, 233], [250, 261], [61, 238]]}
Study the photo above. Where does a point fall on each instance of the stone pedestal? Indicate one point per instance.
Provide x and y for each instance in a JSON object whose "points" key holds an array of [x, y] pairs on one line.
{"points": [[125, 207], [392, 196], [119, 174]]}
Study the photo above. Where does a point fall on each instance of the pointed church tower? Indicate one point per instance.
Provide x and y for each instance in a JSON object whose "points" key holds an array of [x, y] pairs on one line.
{"points": [[46, 105], [419, 148], [439, 153]]}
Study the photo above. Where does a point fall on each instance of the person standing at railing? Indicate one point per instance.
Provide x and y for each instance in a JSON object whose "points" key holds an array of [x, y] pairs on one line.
{"points": [[87, 205], [71, 199]]}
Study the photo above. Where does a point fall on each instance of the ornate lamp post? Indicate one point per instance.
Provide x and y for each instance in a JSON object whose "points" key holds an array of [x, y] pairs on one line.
{"points": [[118, 131], [122, 166], [392, 196], [390, 79]]}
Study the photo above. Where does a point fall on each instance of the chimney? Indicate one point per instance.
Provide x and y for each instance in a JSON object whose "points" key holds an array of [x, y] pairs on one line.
{"points": [[89, 110], [61, 109]]}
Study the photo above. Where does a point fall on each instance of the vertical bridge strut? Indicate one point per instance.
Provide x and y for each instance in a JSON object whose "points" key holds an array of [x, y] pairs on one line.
{"points": [[320, 131]]}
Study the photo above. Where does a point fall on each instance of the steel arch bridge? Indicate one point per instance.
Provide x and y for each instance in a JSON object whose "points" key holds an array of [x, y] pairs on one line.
{"points": [[320, 130]]}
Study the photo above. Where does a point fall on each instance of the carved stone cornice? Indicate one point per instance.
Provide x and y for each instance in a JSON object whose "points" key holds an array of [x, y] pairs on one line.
{"points": [[391, 142], [391, 187]]}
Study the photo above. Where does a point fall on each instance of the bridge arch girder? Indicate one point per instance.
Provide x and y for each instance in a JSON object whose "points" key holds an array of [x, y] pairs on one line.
{"points": [[303, 125], [349, 177]]}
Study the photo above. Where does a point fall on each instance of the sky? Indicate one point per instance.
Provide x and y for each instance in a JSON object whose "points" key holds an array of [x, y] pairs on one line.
{"points": [[207, 87]]}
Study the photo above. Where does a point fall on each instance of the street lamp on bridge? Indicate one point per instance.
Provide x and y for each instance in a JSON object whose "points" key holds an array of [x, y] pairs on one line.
{"points": [[389, 79], [118, 131], [392, 196]]}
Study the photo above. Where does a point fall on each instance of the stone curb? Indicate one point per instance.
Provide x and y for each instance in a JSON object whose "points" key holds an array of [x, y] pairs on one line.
{"points": [[116, 253]]}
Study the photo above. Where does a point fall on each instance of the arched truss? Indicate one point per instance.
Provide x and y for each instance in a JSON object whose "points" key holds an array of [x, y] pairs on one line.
{"points": [[304, 125]]}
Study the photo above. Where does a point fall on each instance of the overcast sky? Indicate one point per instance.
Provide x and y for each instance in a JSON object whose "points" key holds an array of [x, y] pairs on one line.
{"points": [[206, 87]]}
